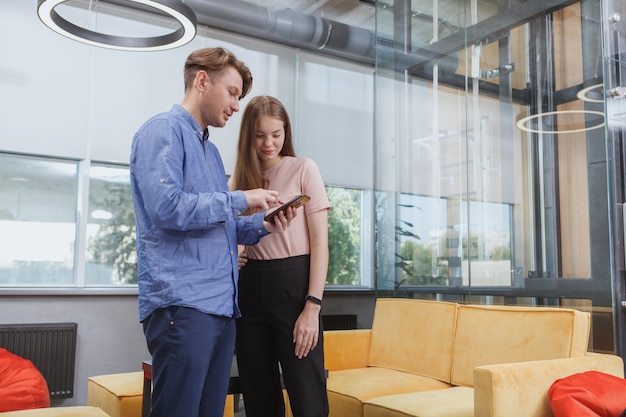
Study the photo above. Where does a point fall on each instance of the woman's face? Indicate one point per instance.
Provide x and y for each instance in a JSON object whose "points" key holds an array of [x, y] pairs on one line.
{"points": [[268, 140]]}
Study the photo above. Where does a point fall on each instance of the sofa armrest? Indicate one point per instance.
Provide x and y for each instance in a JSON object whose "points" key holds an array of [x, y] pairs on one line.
{"points": [[346, 349], [521, 388]]}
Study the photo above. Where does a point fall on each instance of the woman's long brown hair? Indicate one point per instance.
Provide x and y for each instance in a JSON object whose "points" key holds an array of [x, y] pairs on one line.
{"points": [[247, 174]]}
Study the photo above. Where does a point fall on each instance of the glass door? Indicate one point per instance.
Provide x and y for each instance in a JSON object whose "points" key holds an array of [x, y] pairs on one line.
{"points": [[614, 89], [490, 155]]}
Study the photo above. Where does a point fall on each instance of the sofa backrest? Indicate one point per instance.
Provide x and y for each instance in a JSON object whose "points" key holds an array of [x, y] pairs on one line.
{"points": [[415, 336], [488, 335]]}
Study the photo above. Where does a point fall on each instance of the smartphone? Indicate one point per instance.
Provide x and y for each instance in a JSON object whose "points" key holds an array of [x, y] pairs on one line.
{"points": [[296, 202]]}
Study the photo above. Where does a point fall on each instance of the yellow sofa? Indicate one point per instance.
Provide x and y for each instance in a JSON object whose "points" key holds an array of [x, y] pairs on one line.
{"points": [[121, 395], [440, 359], [77, 411]]}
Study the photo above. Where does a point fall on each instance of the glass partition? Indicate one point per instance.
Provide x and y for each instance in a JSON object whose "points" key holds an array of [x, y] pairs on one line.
{"points": [[614, 86], [491, 168]]}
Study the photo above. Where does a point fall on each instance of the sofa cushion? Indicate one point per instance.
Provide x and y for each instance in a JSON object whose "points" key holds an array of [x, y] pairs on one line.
{"points": [[79, 411], [449, 402], [489, 335], [120, 395], [414, 336], [347, 389], [346, 349]]}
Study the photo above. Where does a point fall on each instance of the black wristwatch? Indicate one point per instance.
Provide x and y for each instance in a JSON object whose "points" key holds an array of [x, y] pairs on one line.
{"points": [[313, 299]]}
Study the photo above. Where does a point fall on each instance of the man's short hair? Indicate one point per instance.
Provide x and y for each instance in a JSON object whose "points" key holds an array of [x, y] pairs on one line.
{"points": [[214, 61]]}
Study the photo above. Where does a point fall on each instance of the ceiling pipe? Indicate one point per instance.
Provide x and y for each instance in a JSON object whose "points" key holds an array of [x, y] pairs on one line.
{"points": [[288, 27], [300, 30]]}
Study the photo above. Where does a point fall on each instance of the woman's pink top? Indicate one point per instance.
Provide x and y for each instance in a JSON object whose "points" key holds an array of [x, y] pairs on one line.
{"points": [[290, 177]]}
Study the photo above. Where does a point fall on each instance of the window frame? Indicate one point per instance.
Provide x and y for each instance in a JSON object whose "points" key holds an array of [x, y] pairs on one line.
{"points": [[80, 283]]}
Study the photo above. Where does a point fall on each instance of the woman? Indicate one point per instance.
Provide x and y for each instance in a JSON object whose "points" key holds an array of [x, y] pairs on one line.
{"points": [[282, 283]]}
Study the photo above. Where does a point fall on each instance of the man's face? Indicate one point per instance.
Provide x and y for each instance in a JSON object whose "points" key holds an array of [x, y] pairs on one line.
{"points": [[220, 98]]}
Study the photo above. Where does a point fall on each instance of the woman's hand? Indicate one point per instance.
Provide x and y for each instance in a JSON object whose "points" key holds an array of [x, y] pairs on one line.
{"points": [[242, 258], [306, 330]]}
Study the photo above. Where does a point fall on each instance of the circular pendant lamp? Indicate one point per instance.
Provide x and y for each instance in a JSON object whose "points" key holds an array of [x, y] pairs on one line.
{"points": [[175, 9]]}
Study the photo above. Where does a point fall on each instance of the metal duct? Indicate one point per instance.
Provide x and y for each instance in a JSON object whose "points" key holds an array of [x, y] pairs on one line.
{"points": [[300, 30], [287, 26]]}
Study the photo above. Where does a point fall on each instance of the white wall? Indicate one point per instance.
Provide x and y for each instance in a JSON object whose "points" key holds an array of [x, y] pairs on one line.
{"points": [[67, 99], [109, 336]]}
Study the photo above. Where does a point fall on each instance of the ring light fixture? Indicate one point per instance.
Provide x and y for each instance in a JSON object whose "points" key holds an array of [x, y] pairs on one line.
{"points": [[521, 124], [583, 94], [173, 8]]}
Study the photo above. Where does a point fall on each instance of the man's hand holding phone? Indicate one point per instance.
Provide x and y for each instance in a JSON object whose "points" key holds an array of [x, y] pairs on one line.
{"points": [[281, 217], [281, 221], [295, 202]]}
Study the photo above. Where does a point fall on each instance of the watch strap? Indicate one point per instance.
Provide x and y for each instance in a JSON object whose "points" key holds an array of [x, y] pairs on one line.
{"points": [[313, 299]]}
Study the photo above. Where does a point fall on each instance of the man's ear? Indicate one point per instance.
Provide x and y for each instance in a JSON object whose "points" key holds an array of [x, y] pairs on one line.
{"points": [[201, 79]]}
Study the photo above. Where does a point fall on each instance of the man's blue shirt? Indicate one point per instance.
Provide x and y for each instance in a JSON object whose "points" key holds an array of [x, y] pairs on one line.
{"points": [[188, 223]]}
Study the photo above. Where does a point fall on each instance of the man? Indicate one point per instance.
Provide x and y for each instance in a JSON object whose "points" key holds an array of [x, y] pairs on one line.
{"points": [[188, 228]]}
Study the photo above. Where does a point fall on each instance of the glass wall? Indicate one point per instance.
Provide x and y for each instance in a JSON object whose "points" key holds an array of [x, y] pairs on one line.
{"points": [[614, 73], [491, 162]]}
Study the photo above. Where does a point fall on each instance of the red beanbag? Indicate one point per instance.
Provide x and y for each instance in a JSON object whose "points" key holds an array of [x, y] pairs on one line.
{"points": [[22, 387], [588, 394]]}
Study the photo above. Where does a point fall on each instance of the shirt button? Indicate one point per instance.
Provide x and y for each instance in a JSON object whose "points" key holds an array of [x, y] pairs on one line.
{"points": [[162, 180], [260, 231]]}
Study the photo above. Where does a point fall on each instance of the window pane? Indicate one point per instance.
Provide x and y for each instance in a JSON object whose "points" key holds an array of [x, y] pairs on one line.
{"points": [[425, 255], [344, 237], [37, 220], [111, 258], [342, 96]]}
